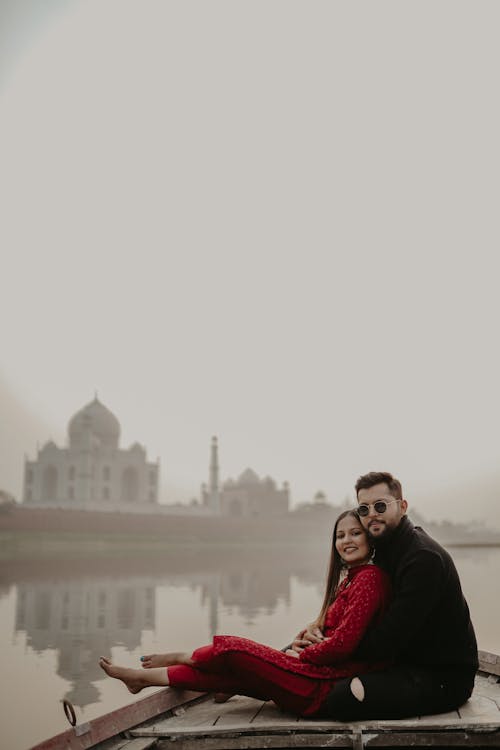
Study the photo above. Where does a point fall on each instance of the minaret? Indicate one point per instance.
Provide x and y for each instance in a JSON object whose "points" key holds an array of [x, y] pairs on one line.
{"points": [[214, 466], [213, 484], [84, 470]]}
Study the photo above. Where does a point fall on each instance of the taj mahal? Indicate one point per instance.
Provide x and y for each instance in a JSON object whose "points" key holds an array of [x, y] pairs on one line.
{"points": [[92, 472]]}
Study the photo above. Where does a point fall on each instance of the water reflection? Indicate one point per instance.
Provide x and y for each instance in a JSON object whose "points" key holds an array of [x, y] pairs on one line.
{"points": [[81, 617], [248, 592]]}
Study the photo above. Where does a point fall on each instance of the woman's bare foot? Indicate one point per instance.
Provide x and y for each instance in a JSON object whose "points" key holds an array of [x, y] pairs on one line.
{"points": [[150, 661], [131, 677]]}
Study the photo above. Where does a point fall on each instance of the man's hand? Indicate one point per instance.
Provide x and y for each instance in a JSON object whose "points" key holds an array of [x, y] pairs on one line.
{"points": [[311, 634]]}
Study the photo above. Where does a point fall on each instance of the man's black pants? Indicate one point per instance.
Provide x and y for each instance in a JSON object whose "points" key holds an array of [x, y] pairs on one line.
{"points": [[397, 693]]}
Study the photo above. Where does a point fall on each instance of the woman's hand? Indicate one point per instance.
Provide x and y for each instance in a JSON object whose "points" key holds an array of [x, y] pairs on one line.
{"points": [[291, 652], [311, 634]]}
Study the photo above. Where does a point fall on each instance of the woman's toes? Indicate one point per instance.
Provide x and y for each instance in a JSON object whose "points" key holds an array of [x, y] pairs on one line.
{"points": [[147, 661], [105, 664]]}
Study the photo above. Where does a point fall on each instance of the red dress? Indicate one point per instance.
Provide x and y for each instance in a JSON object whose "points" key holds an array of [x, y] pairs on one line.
{"points": [[241, 666]]}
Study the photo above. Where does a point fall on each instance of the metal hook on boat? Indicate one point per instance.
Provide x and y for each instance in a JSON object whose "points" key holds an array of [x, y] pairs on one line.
{"points": [[69, 712]]}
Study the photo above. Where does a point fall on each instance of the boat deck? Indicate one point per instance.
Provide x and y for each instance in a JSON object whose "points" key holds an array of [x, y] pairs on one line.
{"points": [[181, 720], [247, 723]]}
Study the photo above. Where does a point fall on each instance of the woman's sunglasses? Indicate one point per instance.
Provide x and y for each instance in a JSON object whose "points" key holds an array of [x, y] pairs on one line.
{"points": [[380, 506]]}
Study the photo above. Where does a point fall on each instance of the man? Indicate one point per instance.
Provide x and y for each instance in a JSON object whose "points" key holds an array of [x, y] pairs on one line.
{"points": [[426, 633]]}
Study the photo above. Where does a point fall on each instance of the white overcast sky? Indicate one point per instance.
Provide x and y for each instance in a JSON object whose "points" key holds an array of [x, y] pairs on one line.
{"points": [[272, 221]]}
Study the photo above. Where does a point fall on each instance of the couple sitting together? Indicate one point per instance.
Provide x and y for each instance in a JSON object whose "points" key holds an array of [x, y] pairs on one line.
{"points": [[393, 638]]}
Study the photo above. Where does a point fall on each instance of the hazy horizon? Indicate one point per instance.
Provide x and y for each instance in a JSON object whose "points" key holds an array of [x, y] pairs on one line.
{"points": [[274, 223]]}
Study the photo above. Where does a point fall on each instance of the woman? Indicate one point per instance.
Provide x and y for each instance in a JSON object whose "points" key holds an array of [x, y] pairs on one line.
{"points": [[296, 682]]}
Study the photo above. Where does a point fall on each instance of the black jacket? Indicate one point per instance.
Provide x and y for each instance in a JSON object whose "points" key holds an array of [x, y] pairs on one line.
{"points": [[427, 623]]}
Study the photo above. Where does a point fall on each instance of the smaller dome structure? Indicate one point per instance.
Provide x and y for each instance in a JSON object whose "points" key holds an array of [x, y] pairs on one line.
{"points": [[50, 446], [248, 477], [137, 448], [99, 421]]}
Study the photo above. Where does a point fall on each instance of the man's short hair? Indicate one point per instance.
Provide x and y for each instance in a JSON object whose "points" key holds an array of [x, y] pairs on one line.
{"points": [[379, 477]]}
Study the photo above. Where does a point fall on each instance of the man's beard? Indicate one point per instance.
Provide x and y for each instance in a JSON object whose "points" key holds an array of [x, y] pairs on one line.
{"points": [[383, 536]]}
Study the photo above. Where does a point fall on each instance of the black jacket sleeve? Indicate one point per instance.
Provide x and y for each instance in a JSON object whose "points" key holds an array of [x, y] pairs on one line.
{"points": [[418, 587]]}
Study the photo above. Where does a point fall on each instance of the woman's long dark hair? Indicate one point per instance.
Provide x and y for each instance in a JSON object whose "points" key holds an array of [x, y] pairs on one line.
{"points": [[334, 568]]}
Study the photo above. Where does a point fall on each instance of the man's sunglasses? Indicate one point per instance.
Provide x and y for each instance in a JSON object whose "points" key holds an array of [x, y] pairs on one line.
{"points": [[380, 506]]}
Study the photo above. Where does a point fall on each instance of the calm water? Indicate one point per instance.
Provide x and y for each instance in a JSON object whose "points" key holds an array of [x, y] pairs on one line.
{"points": [[57, 617]]}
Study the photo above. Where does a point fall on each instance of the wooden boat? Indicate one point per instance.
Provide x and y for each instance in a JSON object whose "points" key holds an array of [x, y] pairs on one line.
{"points": [[192, 721]]}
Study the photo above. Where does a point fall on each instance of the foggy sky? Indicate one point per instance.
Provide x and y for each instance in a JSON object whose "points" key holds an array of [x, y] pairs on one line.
{"points": [[271, 222]]}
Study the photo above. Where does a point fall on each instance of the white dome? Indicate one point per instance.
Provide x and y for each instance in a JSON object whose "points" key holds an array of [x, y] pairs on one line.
{"points": [[101, 422]]}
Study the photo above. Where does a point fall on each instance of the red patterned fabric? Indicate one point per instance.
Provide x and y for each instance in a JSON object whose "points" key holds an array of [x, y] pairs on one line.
{"points": [[239, 665], [363, 595]]}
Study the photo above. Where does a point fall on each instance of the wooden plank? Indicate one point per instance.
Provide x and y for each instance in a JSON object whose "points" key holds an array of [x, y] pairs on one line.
{"points": [[247, 730], [332, 725], [121, 743], [141, 743], [432, 739], [204, 715], [257, 742], [412, 722], [424, 729], [270, 714], [273, 723], [488, 690], [242, 713], [448, 719], [237, 712], [480, 709], [397, 725], [97, 730], [237, 741], [489, 662]]}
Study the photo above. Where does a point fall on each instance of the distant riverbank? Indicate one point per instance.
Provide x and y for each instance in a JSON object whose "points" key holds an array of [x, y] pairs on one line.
{"points": [[37, 533], [50, 532], [172, 529], [49, 544]]}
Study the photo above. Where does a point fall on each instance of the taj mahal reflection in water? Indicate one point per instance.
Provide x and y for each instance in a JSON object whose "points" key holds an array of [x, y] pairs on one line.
{"points": [[83, 618], [80, 619]]}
